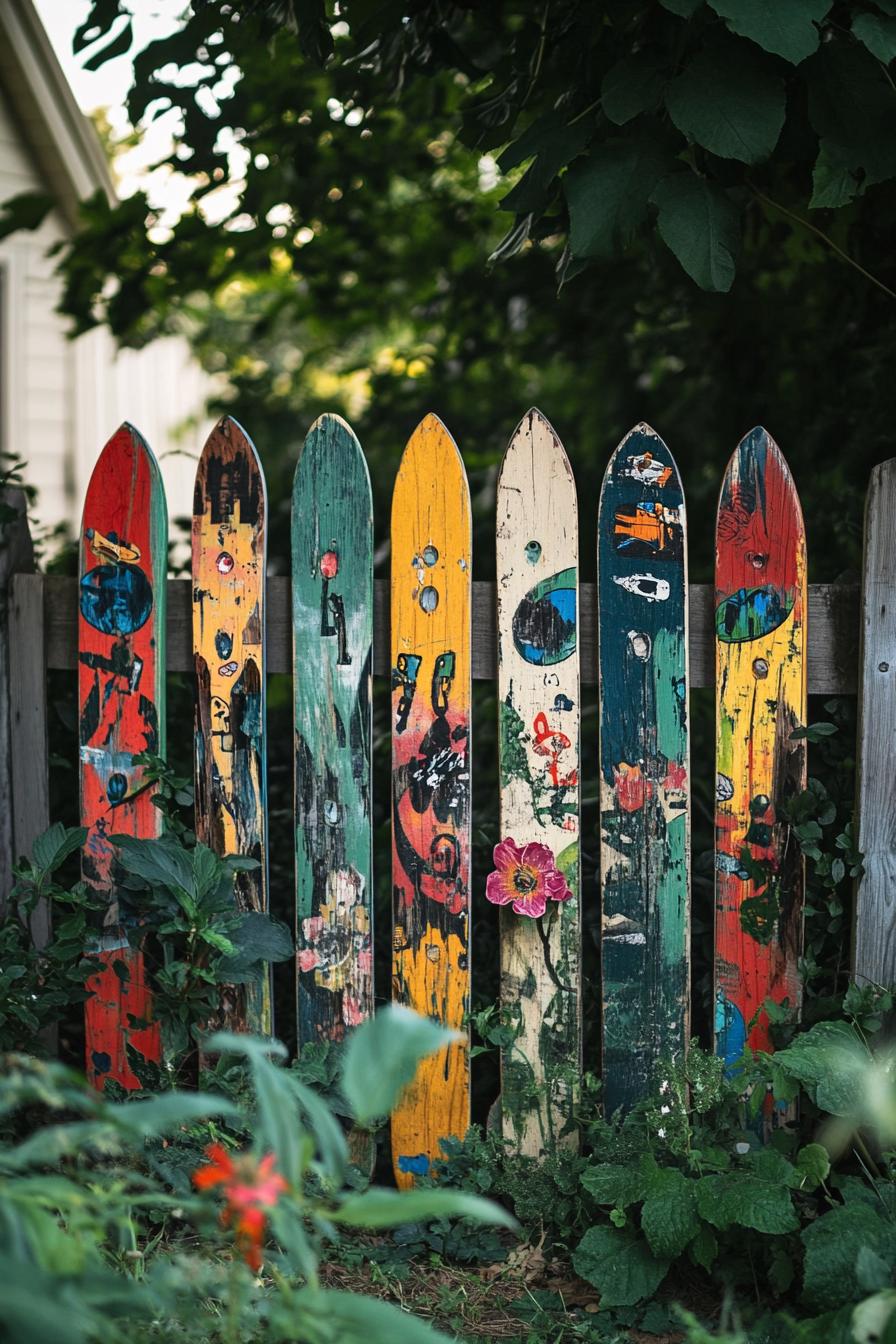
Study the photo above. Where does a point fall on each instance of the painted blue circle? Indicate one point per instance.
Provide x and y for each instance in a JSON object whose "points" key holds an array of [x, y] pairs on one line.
{"points": [[116, 599]]}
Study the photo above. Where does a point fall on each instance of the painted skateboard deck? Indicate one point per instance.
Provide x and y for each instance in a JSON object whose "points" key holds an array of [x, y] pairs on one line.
{"points": [[538, 857], [431, 692], [121, 695], [644, 794], [229, 554], [760, 622], [332, 608]]}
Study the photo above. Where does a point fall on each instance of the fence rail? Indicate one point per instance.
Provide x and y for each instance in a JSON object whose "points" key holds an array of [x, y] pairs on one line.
{"points": [[48, 607]]}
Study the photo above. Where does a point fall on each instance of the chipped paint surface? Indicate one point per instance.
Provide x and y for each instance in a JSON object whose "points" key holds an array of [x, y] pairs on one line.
{"points": [[121, 695], [761, 688], [538, 695], [644, 767], [229, 523], [431, 691], [332, 597]]}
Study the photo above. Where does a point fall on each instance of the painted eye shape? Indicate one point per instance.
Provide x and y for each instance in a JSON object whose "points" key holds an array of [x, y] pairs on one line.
{"points": [[429, 599], [533, 552], [544, 623], [329, 564], [224, 563], [430, 555]]}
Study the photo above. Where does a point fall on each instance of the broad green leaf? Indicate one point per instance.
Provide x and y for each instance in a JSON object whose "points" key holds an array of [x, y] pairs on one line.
{"points": [[833, 1064], [161, 863], [878, 35], [832, 1245], [704, 1248], [610, 1183], [51, 849], [730, 101], [608, 193], [381, 1058], [258, 937], [833, 182], [872, 1271], [619, 1264], [741, 1199], [553, 144], [813, 1165], [352, 1318], [699, 223], [165, 1114], [669, 1215], [391, 1208], [784, 27], [852, 108], [633, 86]]}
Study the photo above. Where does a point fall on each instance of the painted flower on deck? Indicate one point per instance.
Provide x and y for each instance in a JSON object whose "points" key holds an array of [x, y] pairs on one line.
{"points": [[526, 878], [251, 1188]]}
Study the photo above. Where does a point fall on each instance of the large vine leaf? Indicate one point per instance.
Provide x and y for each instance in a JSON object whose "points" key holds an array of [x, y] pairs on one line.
{"points": [[608, 193], [784, 27], [634, 85], [551, 144], [699, 223], [833, 1243], [669, 1215], [853, 109], [730, 101], [619, 1265], [878, 35], [745, 1200], [832, 1063]]}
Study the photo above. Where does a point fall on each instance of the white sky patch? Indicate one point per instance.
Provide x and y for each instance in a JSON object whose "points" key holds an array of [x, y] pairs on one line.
{"points": [[168, 192]]}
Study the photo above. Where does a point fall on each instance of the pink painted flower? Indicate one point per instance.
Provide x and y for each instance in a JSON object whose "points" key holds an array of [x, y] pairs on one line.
{"points": [[525, 877]]}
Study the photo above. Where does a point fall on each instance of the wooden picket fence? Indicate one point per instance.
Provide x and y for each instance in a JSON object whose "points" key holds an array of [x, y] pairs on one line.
{"points": [[762, 636]]}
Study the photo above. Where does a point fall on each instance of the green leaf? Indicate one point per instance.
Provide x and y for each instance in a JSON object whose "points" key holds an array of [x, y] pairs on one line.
{"points": [[552, 144], [872, 1271], [51, 849], [620, 1265], [878, 35], [381, 1058], [832, 1245], [739, 1198], [257, 938], [669, 1215], [614, 1184], [633, 86], [391, 1208], [352, 1318], [730, 101], [161, 863], [116, 46], [608, 193], [701, 226], [704, 1248], [832, 1063], [315, 37], [813, 1165], [785, 29], [853, 110]]}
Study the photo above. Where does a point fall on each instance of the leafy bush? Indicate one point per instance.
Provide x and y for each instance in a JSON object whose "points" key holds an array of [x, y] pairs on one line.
{"points": [[95, 1245]]}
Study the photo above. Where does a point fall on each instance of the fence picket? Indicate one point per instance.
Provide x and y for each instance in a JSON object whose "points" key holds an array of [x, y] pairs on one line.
{"points": [[761, 699], [431, 691], [332, 603], [874, 930], [538, 698], [121, 695], [229, 556], [644, 784]]}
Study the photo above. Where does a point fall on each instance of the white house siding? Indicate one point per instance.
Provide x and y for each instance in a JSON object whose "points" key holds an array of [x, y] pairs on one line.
{"points": [[36, 369], [61, 400]]}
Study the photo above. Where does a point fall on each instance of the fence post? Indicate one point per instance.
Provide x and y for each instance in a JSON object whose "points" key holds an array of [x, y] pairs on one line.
{"points": [[874, 927], [16, 557]]}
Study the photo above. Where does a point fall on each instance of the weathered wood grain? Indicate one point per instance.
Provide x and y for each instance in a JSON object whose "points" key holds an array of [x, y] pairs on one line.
{"points": [[537, 862], [332, 594], [644, 768], [874, 921], [16, 557], [431, 692], [832, 655], [121, 695], [761, 699], [229, 563], [30, 814]]}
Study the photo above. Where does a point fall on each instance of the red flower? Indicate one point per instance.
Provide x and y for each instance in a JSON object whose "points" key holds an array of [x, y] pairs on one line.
{"points": [[526, 878], [250, 1189]]}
